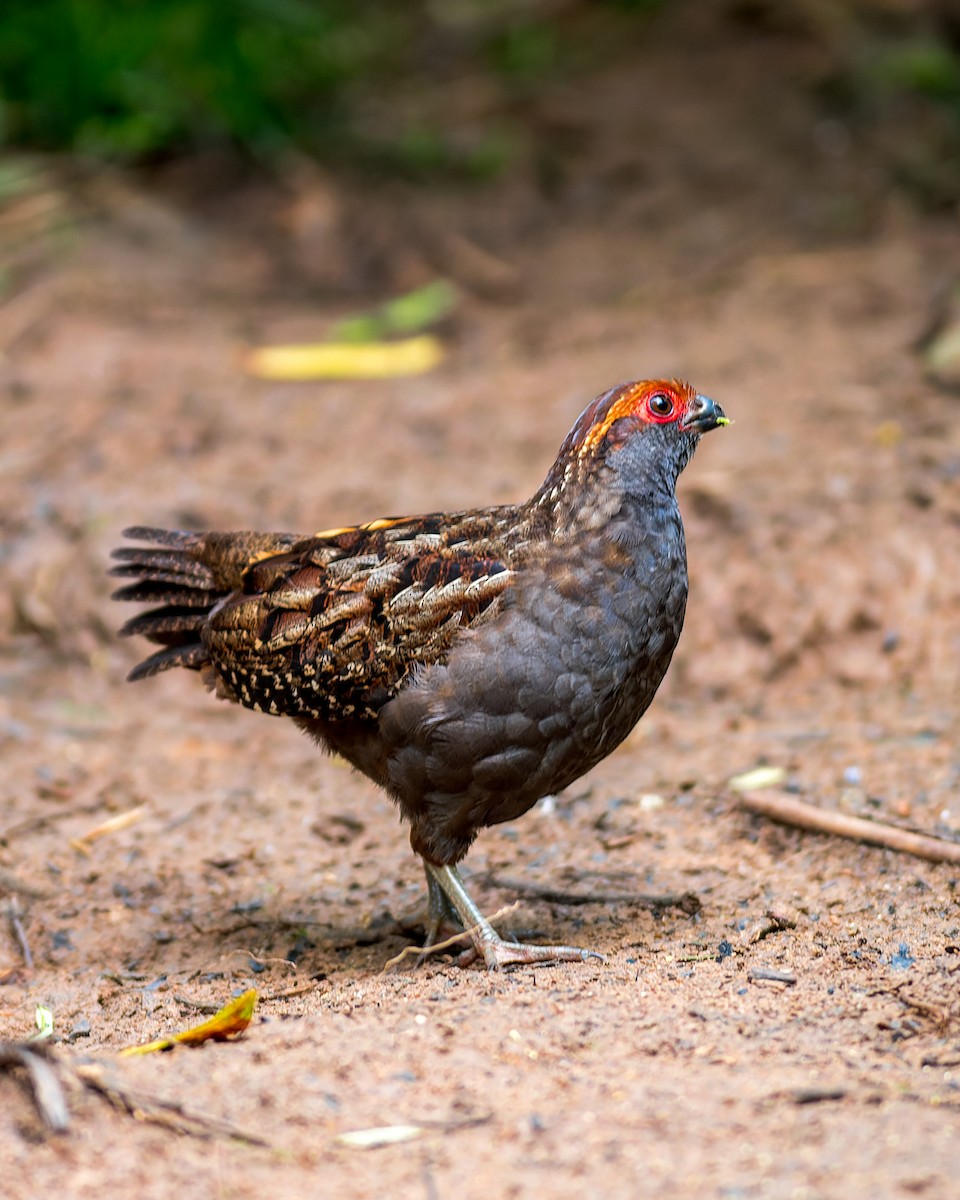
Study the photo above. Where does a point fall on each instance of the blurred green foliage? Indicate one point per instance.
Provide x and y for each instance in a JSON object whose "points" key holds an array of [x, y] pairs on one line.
{"points": [[132, 80], [369, 80], [129, 79], [927, 67], [903, 87]]}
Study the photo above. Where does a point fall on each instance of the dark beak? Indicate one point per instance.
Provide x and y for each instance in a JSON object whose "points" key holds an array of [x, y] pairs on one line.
{"points": [[702, 415]]}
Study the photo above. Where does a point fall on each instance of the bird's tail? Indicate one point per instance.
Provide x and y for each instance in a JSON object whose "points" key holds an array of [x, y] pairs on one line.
{"points": [[186, 575]]}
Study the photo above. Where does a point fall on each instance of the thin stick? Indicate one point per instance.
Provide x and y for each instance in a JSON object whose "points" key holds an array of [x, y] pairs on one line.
{"points": [[787, 810], [287, 993], [41, 1067], [769, 975], [112, 825], [687, 902], [19, 932], [197, 1005], [465, 935], [143, 1106]]}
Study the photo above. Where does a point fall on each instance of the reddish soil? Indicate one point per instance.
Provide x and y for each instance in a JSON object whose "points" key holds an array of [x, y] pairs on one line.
{"points": [[725, 235]]}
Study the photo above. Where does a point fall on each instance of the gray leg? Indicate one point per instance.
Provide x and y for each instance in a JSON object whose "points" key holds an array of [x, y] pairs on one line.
{"points": [[446, 891]]}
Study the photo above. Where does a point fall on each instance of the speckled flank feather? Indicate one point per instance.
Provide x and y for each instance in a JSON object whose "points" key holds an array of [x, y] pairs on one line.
{"points": [[468, 662]]}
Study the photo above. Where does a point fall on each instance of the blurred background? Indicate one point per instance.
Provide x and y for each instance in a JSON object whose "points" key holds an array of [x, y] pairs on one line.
{"points": [[436, 90]]}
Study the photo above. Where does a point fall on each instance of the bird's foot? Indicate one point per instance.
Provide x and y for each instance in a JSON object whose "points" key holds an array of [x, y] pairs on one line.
{"points": [[448, 897], [497, 952]]}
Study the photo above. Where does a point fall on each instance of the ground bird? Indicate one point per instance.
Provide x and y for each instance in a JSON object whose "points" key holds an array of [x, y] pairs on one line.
{"points": [[469, 663]]}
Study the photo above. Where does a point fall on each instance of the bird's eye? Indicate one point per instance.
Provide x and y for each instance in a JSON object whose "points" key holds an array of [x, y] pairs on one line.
{"points": [[660, 406]]}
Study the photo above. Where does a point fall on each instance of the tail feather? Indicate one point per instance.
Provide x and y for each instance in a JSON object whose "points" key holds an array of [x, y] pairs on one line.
{"points": [[185, 575], [157, 591], [166, 625], [159, 565], [193, 657], [135, 570], [177, 538], [184, 586]]}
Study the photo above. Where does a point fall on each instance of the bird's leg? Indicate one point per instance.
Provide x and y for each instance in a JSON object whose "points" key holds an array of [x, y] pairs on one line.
{"points": [[434, 914], [447, 891], [440, 912]]}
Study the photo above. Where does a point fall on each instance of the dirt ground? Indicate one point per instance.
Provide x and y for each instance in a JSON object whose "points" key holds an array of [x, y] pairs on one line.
{"points": [[727, 234]]}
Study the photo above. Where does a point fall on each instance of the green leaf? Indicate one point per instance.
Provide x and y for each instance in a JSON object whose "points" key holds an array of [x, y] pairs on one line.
{"points": [[44, 1020]]}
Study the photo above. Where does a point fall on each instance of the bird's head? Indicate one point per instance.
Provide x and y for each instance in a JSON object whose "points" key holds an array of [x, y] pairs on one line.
{"points": [[667, 409], [645, 432]]}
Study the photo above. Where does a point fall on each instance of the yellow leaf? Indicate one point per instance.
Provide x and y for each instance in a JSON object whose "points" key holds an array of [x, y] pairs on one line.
{"points": [[345, 360], [230, 1021], [757, 779]]}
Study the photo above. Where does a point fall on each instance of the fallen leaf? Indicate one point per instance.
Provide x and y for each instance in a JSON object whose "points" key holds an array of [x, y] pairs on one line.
{"points": [[384, 1135], [407, 314], [230, 1021], [759, 777], [345, 360], [44, 1019]]}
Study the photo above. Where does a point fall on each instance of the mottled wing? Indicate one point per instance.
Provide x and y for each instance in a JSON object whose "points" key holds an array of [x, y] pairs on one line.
{"points": [[334, 627]]}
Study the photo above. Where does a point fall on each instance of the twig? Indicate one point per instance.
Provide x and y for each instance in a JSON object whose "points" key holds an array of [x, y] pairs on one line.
{"points": [[46, 1073], [196, 1005], [943, 1017], [436, 947], [87, 801], [283, 994], [429, 1183], [772, 923], [287, 993], [144, 1107], [816, 1095], [769, 975], [789, 811], [13, 911], [41, 1068], [113, 824], [687, 902]]}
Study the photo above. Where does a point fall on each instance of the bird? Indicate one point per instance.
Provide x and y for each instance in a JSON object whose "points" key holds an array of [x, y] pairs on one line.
{"points": [[469, 663]]}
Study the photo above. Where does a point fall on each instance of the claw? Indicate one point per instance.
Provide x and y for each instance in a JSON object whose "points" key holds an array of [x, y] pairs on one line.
{"points": [[447, 892]]}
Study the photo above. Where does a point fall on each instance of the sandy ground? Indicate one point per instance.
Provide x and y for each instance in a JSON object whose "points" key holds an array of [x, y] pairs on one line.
{"points": [[724, 235]]}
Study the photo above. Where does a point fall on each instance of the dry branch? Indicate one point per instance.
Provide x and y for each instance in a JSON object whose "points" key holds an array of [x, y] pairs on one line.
{"points": [[41, 1068], [13, 912], [47, 1072], [143, 1106], [787, 810], [687, 902]]}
